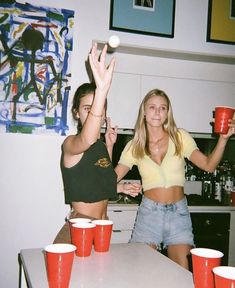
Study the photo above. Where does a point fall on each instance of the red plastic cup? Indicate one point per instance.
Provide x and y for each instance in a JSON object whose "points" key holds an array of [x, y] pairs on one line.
{"points": [[224, 277], [76, 220], [103, 233], [59, 261], [83, 237], [204, 260], [233, 197], [222, 115]]}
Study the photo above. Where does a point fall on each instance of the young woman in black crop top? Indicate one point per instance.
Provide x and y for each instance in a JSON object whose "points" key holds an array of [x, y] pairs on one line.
{"points": [[88, 175]]}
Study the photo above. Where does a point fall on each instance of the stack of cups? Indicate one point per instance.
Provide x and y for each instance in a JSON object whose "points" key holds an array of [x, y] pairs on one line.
{"points": [[59, 261], [85, 233], [204, 260], [224, 277], [83, 237], [74, 221], [222, 115]]}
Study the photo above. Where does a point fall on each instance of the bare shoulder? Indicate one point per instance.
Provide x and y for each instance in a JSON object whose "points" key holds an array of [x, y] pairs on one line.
{"points": [[72, 145], [72, 153], [68, 142]]}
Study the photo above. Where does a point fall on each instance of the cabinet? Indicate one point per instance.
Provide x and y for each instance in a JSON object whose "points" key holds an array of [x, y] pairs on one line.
{"points": [[123, 217], [124, 99], [211, 230], [231, 257], [195, 83]]}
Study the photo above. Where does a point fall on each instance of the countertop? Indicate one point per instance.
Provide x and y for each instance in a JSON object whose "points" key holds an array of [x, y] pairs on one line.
{"points": [[195, 203], [125, 265], [192, 208]]}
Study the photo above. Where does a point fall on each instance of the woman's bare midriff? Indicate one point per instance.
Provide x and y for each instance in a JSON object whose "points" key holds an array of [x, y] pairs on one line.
{"points": [[165, 195], [96, 210]]}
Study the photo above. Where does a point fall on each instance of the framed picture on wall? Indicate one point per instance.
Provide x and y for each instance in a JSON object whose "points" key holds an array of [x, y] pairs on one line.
{"points": [[221, 21], [149, 17]]}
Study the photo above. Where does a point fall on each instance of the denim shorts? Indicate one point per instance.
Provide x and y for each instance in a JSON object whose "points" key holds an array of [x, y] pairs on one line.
{"points": [[158, 223]]}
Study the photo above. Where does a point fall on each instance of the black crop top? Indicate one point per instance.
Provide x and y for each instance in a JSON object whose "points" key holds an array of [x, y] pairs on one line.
{"points": [[92, 179]]}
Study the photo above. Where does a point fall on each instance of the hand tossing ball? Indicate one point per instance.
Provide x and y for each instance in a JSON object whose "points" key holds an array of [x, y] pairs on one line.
{"points": [[114, 41]]}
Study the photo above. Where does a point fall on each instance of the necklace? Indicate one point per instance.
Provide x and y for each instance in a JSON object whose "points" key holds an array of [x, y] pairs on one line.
{"points": [[156, 146], [157, 149]]}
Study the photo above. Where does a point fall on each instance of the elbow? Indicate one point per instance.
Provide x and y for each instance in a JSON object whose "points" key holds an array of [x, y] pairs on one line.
{"points": [[210, 169], [90, 142], [87, 142], [89, 138]]}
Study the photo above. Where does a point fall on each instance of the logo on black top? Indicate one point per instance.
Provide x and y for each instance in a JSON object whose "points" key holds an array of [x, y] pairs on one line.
{"points": [[103, 163]]}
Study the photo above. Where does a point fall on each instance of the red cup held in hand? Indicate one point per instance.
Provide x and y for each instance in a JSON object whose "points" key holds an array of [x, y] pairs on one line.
{"points": [[59, 261], [204, 260], [222, 115], [103, 233]]}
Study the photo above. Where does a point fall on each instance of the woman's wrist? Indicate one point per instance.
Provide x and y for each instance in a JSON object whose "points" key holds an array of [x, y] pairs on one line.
{"points": [[95, 115], [120, 188], [223, 140]]}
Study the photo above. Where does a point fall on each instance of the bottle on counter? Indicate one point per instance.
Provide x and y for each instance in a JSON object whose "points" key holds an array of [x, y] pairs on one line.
{"points": [[227, 187], [217, 187], [207, 187]]}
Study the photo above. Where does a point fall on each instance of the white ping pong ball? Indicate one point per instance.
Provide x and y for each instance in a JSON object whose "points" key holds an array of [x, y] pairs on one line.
{"points": [[114, 41]]}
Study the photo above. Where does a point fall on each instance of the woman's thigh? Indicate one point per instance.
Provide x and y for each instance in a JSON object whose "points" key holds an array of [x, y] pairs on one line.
{"points": [[180, 254]]}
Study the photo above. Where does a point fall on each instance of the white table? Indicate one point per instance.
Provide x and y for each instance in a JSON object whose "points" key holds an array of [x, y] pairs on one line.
{"points": [[125, 265]]}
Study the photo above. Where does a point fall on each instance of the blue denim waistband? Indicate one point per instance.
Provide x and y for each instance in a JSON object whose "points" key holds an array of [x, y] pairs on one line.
{"points": [[172, 206]]}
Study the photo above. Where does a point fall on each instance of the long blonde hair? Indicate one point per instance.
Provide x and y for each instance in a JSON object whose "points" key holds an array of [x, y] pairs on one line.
{"points": [[141, 138]]}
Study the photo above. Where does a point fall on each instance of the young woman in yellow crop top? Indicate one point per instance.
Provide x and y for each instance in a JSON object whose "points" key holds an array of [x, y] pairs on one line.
{"points": [[158, 149]]}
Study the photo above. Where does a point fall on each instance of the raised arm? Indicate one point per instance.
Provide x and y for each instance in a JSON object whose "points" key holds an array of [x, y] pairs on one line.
{"points": [[90, 132], [210, 162]]}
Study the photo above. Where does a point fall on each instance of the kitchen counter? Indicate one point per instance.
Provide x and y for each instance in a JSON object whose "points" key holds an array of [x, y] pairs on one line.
{"points": [[125, 265], [208, 208], [192, 208]]}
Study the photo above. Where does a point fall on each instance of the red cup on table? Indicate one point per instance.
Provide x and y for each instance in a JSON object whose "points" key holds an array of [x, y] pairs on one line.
{"points": [[83, 237], [224, 277], [204, 260], [76, 220], [222, 115], [103, 233], [59, 261]]}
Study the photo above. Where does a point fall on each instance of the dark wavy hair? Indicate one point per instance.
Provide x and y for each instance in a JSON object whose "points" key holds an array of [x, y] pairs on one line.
{"points": [[82, 91]]}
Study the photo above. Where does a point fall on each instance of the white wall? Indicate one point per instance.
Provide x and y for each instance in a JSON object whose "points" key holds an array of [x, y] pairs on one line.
{"points": [[32, 205]]}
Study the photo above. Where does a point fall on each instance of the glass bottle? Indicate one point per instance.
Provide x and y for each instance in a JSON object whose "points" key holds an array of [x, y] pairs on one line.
{"points": [[207, 192], [217, 189], [228, 186]]}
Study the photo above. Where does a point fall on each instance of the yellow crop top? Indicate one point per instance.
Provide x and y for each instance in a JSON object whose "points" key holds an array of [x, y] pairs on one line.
{"points": [[171, 172]]}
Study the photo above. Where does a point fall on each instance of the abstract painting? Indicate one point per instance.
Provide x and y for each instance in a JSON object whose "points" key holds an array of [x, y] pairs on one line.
{"points": [[35, 50]]}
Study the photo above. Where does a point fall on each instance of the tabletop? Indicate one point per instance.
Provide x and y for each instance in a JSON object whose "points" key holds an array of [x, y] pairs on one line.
{"points": [[124, 265]]}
